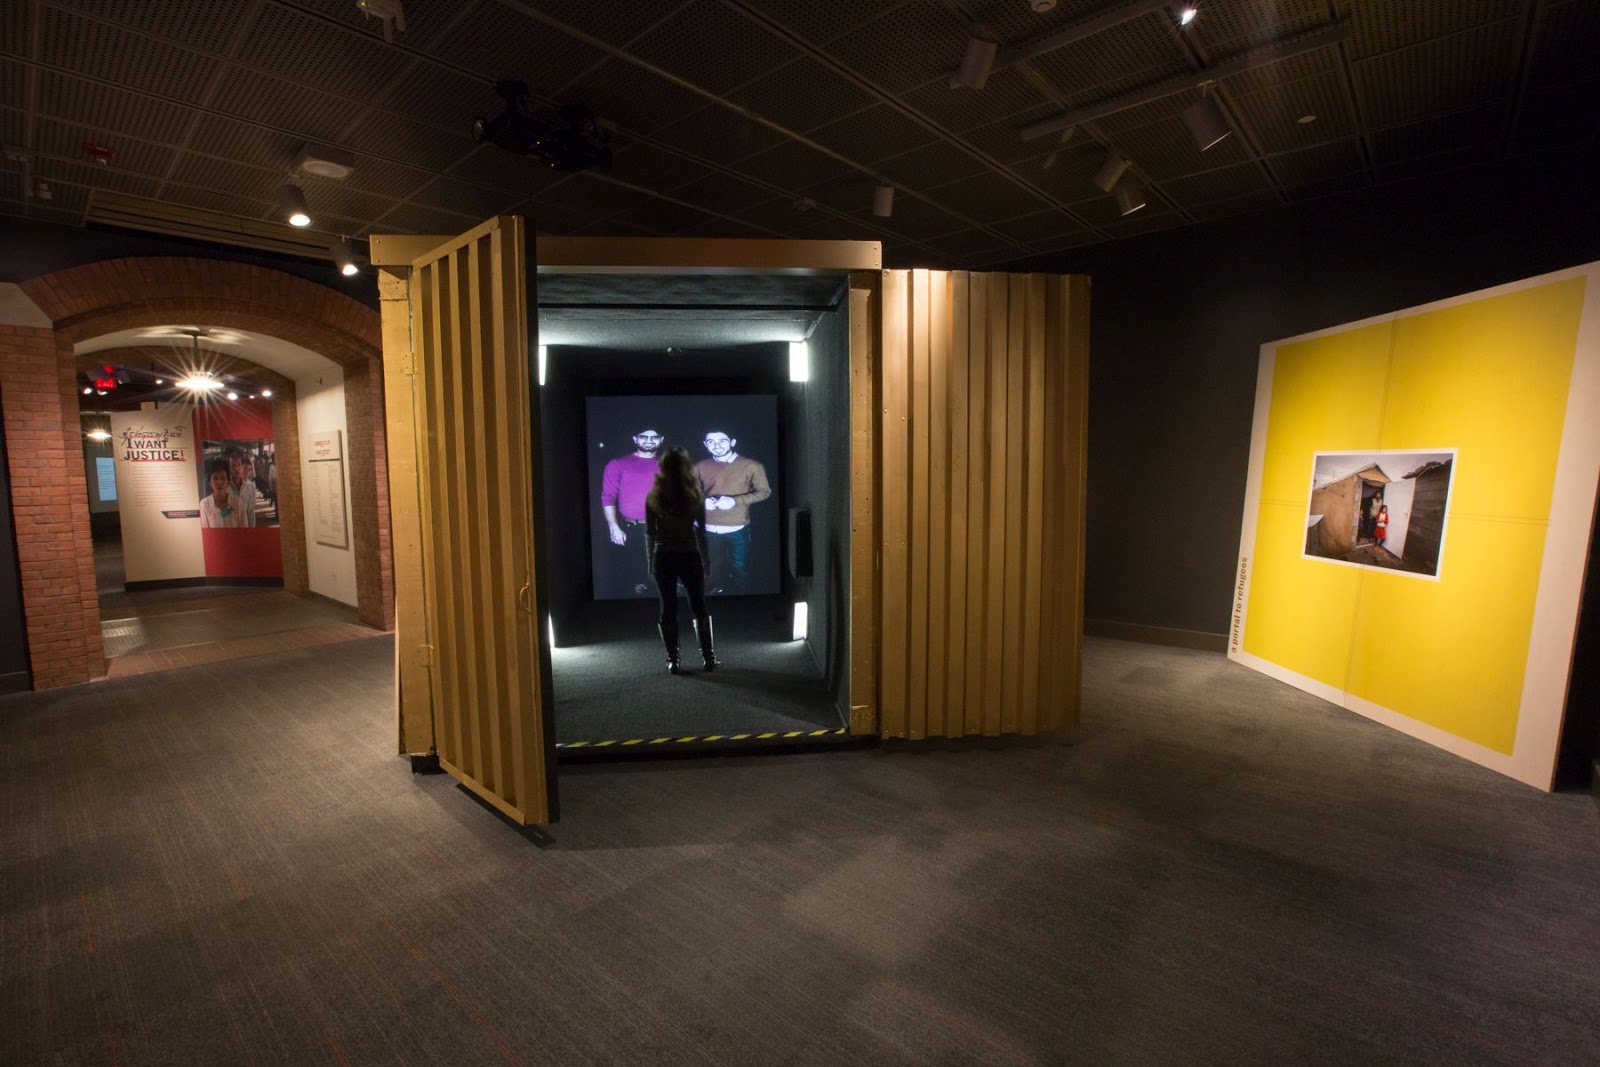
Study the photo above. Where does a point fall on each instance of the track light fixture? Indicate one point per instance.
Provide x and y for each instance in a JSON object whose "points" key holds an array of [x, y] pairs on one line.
{"points": [[344, 257], [883, 201], [1187, 15], [975, 64], [292, 204], [1112, 169], [1207, 125], [1130, 196]]}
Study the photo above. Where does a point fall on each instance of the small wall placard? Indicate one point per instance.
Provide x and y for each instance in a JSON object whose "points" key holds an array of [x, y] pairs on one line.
{"points": [[325, 489]]}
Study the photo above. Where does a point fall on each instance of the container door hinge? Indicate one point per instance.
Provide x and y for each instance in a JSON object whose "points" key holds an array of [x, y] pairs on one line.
{"points": [[408, 363], [425, 656]]}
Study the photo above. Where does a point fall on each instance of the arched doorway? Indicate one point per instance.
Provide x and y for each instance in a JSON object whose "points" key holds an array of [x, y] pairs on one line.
{"points": [[115, 304]]}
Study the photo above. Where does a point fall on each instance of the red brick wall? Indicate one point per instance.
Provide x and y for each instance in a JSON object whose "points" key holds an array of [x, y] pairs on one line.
{"points": [[36, 367], [49, 502]]}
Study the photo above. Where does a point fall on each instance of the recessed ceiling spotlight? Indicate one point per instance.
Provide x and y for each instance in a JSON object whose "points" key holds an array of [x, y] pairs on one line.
{"points": [[161, 381], [266, 392], [1187, 15], [292, 204], [1306, 120], [232, 395], [344, 257]]}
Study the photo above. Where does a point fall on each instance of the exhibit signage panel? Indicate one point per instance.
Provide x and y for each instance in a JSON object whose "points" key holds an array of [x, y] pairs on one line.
{"points": [[155, 461], [325, 489], [1417, 516]]}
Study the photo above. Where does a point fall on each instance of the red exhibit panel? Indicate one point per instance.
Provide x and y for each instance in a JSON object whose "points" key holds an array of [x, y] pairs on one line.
{"points": [[243, 553], [238, 489]]}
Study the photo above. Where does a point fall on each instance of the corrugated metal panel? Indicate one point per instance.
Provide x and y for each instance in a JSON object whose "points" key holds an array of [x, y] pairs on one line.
{"points": [[984, 392]]}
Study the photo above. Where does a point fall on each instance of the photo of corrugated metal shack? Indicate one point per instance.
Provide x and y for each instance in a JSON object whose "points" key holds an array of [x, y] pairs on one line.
{"points": [[1349, 492]]}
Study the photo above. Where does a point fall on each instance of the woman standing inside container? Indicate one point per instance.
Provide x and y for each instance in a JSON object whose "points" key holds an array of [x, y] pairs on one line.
{"points": [[676, 533]]}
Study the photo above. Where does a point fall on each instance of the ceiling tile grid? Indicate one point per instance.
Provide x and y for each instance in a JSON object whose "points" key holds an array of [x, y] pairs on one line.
{"points": [[132, 60], [1337, 159], [718, 134], [743, 50], [441, 97], [1432, 136], [820, 22], [1123, 58], [987, 198], [1165, 150], [112, 109], [1376, 28], [208, 172], [904, 47], [274, 102], [94, 176], [1234, 26], [384, 134], [877, 133], [1218, 186], [633, 98], [1459, 71], [801, 96], [244, 142], [304, 48], [1006, 94], [222, 96], [66, 140], [1274, 118]]}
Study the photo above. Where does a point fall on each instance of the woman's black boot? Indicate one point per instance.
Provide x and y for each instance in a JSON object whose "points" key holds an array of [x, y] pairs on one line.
{"points": [[669, 638], [708, 654]]}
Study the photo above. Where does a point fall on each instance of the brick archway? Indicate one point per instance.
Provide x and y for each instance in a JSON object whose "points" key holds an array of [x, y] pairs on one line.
{"points": [[37, 386]]}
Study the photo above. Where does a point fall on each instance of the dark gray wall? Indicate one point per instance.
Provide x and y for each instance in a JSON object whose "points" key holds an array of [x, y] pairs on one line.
{"points": [[14, 676], [820, 463], [1178, 320]]}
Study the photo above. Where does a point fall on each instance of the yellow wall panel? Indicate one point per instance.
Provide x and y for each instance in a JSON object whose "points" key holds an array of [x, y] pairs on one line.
{"points": [[1327, 395], [1490, 376], [1307, 608], [1451, 653]]}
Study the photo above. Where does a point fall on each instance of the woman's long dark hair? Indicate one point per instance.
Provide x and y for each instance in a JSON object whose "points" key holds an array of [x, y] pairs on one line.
{"points": [[676, 490]]}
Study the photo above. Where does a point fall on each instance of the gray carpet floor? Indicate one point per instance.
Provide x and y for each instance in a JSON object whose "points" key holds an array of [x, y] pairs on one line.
{"points": [[228, 865], [611, 683]]}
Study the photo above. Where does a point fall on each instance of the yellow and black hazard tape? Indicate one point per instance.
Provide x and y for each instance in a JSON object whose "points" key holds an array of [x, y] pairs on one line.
{"points": [[766, 735]]}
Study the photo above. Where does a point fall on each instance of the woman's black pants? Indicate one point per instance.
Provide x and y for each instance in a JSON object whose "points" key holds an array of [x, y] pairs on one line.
{"points": [[675, 567]]}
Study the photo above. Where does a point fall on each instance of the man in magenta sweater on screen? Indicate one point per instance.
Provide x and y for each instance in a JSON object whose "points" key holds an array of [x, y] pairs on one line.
{"points": [[624, 484]]}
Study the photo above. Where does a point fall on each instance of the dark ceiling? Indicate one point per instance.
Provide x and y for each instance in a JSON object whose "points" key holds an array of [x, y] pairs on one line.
{"points": [[776, 118]]}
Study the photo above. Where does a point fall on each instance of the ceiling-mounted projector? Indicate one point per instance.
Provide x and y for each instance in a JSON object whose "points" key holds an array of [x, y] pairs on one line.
{"points": [[571, 139]]}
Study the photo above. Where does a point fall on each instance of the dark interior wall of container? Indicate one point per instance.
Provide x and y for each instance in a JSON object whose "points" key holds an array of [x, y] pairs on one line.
{"points": [[820, 462]]}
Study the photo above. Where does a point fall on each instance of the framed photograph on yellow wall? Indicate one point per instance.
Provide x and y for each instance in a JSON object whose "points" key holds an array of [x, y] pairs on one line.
{"points": [[1454, 443], [1386, 510]]}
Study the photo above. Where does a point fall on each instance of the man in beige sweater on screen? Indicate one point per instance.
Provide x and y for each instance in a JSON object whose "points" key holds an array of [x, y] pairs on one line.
{"points": [[731, 483]]}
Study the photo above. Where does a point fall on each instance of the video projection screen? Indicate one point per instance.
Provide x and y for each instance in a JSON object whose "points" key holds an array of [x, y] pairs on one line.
{"points": [[733, 441]]}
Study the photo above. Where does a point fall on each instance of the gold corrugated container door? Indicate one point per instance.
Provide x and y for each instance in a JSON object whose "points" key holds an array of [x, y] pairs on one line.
{"points": [[984, 382], [476, 440]]}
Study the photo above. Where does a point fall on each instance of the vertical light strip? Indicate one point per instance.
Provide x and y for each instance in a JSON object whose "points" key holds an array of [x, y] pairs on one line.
{"points": [[544, 355], [799, 361], [800, 608]]}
